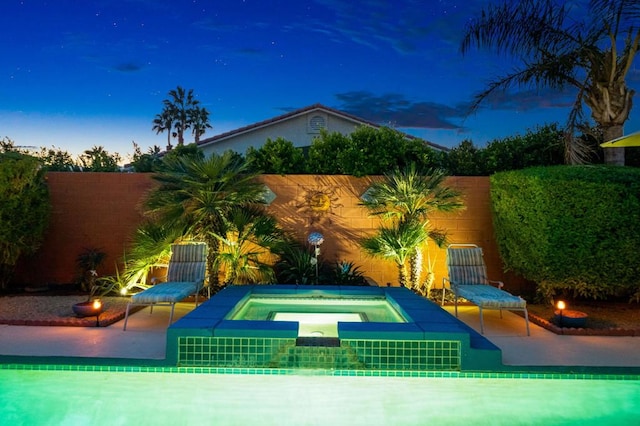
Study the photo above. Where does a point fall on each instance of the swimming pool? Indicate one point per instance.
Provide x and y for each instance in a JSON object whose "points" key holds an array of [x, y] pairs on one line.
{"points": [[44, 397], [330, 327]]}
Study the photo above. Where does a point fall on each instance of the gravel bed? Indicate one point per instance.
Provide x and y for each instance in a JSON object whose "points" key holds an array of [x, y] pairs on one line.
{"points": [[58, 311]]}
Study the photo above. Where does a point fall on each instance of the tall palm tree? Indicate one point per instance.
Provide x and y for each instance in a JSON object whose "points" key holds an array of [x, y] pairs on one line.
{"points": [[591, 50], [164, 122], [396, 243], [196, 195], [409, 196], [199, 119], [179, 105]]}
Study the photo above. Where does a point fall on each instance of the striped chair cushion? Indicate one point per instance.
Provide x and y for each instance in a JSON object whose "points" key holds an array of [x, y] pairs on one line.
{"points": [[466, 266], [189, 252], [188, 262]]}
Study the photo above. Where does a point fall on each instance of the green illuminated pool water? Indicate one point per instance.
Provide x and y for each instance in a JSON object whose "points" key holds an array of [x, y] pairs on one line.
{"points": [[141, 398], [317, 316], [369, 309]]}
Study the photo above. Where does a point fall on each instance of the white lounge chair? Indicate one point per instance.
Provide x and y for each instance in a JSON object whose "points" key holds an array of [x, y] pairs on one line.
{"points": [[185, 276], [468, 279]]}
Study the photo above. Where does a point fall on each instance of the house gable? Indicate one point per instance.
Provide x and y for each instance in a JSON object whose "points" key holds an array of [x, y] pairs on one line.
{"points": [[299, 127]]}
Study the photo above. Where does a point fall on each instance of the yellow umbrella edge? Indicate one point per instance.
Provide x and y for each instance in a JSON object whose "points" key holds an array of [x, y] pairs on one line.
{"points": [[622, 142]]}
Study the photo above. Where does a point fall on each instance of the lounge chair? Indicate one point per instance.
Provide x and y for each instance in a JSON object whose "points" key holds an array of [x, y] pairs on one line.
{"points": [[468, 279], [185, 276]]}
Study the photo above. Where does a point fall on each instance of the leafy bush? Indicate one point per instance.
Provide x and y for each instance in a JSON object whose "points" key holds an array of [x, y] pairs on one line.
{"points": [[544, 147], [296, 265], [368, 151], [277, 157], [570, 229], [465, 160], [324, 151], [24, 210]]}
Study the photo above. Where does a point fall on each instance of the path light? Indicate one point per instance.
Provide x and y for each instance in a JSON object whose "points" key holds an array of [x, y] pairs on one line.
{"points": [[561, 307], [97, 308], [315, 239]]}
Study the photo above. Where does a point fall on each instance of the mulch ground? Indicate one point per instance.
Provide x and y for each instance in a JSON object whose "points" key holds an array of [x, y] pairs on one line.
{"points": [[58, 311], [604, 319]]}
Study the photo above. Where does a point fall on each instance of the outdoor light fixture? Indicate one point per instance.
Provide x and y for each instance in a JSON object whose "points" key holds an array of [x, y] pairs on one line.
{"points": [[561, 307], [97, 307], [315, 239]]}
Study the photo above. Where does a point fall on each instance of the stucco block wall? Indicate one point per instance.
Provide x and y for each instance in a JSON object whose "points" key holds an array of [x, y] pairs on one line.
{"points": [[103, 210], [89, 210]]}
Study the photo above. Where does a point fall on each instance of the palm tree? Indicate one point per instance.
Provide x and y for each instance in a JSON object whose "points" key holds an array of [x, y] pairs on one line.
{"points": [[408, 196], [164, 122], [246, 245], [396, 243], [593, 55], [199, 121], [196, 195], [179, 107]]}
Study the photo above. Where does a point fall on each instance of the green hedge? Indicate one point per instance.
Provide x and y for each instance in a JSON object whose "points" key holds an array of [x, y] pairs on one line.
{"points": [[571, 229]]}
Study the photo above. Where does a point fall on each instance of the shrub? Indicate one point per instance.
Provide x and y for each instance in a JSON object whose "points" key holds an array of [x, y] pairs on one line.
{"points": [[24, 210], [324, 151], [570, 228], [277, 157]]}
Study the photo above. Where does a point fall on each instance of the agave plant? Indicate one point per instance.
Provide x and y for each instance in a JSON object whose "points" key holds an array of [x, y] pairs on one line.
{"points": [[346, 273]]}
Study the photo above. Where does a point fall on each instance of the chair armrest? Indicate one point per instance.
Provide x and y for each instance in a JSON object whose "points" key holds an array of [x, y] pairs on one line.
{"points": [[498, 284]]}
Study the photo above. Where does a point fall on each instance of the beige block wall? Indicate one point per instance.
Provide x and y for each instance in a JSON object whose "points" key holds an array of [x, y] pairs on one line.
{"points": [[103, 210]]}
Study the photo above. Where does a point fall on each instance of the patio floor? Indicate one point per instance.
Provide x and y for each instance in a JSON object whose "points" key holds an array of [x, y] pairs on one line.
{"points": [[145, 340]]}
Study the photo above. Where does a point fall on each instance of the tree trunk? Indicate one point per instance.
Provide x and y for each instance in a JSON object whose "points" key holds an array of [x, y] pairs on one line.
{"points": [[613, 156], [415, 273], [428, 283], [212, 269], [403, 275]]}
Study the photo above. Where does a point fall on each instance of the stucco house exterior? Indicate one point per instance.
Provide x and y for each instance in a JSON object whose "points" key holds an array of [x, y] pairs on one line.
{"points": [[300, 127]]}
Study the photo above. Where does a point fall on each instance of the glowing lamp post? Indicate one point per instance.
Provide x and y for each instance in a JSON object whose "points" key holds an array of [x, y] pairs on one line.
{"points": [[316, 239]]}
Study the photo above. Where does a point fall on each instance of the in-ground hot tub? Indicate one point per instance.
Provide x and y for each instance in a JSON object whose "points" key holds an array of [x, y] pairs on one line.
{"points": [[317, 315], [336, 327]]}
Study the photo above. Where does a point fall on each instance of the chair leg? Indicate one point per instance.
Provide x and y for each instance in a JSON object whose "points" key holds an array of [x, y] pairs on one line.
{"points": [[481, 321], [526, 319], [455, 303], [126, 317], [173, 306]]}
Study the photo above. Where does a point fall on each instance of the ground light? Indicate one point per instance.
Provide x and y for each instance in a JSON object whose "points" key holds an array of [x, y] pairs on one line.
{"points": [[561, 307]]}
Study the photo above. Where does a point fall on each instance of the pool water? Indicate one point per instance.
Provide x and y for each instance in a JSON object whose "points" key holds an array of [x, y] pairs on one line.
{"points": [[317, 317], [141, 398]]}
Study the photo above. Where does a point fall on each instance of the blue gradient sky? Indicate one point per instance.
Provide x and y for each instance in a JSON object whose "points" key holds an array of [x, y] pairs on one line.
{"points": [[75, 74]]}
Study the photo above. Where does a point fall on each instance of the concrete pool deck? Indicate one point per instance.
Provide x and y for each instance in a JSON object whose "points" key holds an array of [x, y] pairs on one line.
{"points": [[145, 340]]}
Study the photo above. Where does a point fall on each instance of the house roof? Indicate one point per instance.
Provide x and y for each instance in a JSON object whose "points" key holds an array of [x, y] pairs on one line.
{"points": [[293, 114]]}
